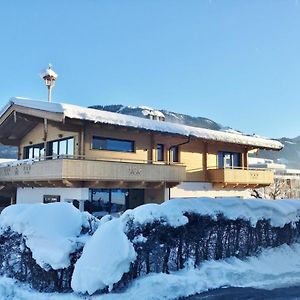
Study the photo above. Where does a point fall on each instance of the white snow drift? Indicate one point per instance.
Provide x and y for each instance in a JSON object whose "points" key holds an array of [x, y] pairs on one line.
{"points": [[52, 231], [107, 256], [273, 268]]}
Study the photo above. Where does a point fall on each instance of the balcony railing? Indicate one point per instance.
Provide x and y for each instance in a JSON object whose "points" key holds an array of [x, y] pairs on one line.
{"points": [[241, 176], [79, 168]]}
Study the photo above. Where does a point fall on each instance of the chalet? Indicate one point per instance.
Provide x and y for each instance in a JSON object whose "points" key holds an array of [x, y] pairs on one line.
{"points": [[103, 161]]}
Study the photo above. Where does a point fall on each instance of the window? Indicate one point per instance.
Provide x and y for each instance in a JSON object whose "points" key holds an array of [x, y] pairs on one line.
{"points": [[51, 198], [107, 200], [160, 152], [60, 148], [174, 154], [100, 143], [34, 151], [229, 159]]}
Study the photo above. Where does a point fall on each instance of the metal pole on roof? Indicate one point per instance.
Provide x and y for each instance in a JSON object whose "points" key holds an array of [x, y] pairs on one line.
{"points": [[49, 93]]}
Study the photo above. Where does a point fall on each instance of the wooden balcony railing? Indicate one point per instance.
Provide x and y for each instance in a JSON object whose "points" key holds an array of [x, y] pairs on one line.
{"points": [[84, 169], [238, 176]]}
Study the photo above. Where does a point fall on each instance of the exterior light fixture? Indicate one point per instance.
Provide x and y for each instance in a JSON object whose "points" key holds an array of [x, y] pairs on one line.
{"points": [[49, 77]]}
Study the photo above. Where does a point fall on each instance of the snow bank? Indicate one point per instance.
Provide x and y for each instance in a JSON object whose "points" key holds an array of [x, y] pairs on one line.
{"points": [[109, 253], [52, 231], [105, 258], [273, 268], [279, 212], [94, 115]]}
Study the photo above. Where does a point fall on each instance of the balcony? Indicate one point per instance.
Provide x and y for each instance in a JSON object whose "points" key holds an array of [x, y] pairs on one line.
{"points": [[80, 171], [251, 178]]}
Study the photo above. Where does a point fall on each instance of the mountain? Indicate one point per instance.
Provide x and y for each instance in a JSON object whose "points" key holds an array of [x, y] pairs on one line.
{"points": [[290, 154], [8, 152], [143, 111]]}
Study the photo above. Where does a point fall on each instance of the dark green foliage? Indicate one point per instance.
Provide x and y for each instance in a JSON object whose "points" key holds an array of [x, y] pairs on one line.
{"points": [[169, 249], [16, 261], [164, 249]]}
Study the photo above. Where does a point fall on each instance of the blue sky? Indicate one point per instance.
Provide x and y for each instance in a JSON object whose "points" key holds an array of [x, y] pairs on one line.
{"points": [[236, 62]]}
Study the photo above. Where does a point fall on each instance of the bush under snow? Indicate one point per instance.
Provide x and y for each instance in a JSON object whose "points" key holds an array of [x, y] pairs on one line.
{"points": [[149, 239]]}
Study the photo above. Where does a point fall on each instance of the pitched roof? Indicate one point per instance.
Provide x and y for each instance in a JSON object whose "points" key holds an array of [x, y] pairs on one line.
{"points": [[105, 117]]}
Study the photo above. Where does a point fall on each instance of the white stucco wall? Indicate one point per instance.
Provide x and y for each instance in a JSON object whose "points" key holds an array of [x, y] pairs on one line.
{"points": [[35, 195], [205, 189]]}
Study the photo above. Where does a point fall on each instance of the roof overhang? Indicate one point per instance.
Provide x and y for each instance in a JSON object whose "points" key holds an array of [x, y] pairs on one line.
{"points": [[16, 121], [20, 115]]}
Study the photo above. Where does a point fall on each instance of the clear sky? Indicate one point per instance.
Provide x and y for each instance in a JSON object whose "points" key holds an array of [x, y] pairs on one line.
{"points": [[236, 62]]}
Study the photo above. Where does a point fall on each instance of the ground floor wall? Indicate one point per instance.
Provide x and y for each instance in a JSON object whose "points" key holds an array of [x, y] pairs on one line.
{"points": [[153, 195], [205, 189], [36, 195], [65, 194]]}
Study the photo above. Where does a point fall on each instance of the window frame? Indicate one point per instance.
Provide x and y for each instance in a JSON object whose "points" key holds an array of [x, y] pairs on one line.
{"points": [[220, 158], [160, 152], [172, 154], [26, 151], [95, 137], [58, 141]]}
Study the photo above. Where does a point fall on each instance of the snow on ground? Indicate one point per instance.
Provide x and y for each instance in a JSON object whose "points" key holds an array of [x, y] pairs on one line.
{"points": [[52, 231], [109, 253], [273, 268]]}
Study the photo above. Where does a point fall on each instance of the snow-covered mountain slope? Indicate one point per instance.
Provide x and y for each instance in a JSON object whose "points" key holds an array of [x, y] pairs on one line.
{"points": [[289, 155], [141, 111]]}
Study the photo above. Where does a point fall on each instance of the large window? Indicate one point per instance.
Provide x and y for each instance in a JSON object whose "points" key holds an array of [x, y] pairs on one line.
{"points": [[229, 159], [160, 149], [107, 200], [174, 154], [113, 201], [109, 144], [34, 151], [61, 148]]}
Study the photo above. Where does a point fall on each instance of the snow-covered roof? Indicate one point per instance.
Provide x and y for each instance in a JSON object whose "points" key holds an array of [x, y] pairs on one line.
{"points": [[146, 111], [265, 163], [105, 117], [49, 72]]}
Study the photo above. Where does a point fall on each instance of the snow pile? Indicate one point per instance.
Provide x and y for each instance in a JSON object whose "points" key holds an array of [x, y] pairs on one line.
{"points": [[94, 115], [279, 212], [52, 231], [148, 111], [49, 72], [35, 104], [109, 253], [273, 268], [105, 258]]}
